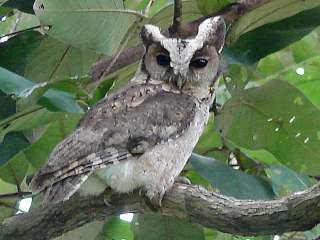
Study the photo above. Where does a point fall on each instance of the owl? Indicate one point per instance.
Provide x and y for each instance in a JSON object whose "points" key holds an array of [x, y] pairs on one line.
{"points": [[141, 136]]}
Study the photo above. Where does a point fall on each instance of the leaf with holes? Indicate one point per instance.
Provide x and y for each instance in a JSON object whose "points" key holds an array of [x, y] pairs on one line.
{"points": [[276, 117]]}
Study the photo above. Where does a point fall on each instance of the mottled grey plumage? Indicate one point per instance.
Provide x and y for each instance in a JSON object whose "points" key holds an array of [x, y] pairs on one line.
{"points": [[142, 135]]}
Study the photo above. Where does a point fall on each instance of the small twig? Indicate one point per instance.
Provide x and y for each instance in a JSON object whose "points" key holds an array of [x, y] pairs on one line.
{"points": [[122, 46], [175, 28], [14, 195], [21, 31], [9, 206], [147, 9], [19, 115]]}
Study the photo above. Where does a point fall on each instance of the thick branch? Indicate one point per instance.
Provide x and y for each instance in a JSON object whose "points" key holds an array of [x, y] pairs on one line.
{"points": [[297, 212], [131, 55]]}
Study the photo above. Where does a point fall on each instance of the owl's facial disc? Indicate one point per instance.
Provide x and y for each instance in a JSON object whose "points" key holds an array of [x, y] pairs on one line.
{"points": [[184, 62]]}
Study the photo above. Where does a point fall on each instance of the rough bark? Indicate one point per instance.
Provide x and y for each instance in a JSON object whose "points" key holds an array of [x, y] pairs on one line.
{"points": [[297, 212], [131, 55]]}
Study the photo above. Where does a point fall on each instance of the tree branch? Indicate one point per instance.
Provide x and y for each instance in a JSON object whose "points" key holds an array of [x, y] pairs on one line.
{"points": [[174, 29], [297, 212], [231, 13]]}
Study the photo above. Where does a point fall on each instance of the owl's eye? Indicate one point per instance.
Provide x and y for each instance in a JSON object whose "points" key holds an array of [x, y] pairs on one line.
{"points": [[163, 60], [199, 63]]}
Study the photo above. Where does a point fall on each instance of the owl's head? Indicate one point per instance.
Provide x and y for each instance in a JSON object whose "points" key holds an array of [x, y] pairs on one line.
{"points": [[184, 63]]}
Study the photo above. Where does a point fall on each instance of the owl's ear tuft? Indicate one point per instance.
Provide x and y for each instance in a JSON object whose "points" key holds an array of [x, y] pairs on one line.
{"points": [[150, 34], [212, 31]]}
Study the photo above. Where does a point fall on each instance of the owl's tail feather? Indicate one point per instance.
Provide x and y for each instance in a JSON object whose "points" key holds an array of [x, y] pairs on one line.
{"points": [[61, 184]]}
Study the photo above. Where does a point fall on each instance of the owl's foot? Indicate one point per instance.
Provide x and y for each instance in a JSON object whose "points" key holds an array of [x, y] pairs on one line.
{"points": [[182, 179], [107, 196], [154, 199], [154, 204]]}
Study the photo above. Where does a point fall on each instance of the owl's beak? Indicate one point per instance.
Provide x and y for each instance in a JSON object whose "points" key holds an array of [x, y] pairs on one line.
{"points": [[179, 81]]}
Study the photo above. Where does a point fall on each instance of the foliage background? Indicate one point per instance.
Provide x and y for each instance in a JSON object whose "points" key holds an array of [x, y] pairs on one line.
{"points": [[264, 142]]}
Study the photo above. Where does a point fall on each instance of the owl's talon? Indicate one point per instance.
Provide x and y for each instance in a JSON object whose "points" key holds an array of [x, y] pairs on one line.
{"points": [[107, 198], [154, 204]]}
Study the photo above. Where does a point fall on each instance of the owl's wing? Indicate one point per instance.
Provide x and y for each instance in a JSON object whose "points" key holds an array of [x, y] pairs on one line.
{"points": [[119, 128]]}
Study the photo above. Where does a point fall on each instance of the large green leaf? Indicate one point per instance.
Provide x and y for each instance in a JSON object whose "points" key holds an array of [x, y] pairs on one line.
{"points": [[268, 13], [256, 44], [276, 117], [11, 83], [91, 24], [158, 227], [41, 58], [231, 182]]}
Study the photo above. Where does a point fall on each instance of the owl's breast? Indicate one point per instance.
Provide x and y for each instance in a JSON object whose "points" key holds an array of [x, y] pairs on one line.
{"points": [[156, 168], [160, 134]]}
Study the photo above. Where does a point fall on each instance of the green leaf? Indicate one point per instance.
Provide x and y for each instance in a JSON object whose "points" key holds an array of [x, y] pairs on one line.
{"points": [[44, 59], [163, 16], [278, 118], [91, 24], [14, 171], [209, 139], [58, 100], [4, 11], [7, 205], [268, 13], [87, 231], [256, 44], [208, 7], [11, 83], [298, 64], [37, 154], [231, 182], [115, 228], [8, 106], [24, 6], [31, 118], [11, 145], [157, 227], [285, 181]]}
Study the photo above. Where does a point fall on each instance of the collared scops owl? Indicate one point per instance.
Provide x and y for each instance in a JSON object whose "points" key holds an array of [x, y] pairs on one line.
{"points": [[141, 136]]}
